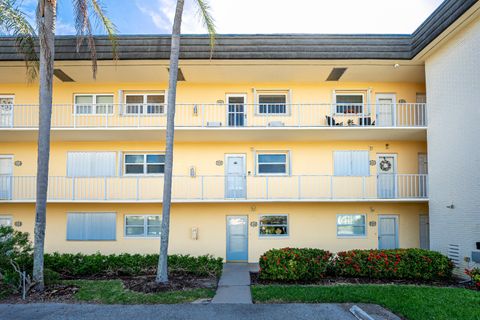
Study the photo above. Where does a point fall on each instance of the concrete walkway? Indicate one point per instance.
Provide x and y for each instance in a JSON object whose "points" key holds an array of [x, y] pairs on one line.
{"points": [[234, 284], [49, 311]]}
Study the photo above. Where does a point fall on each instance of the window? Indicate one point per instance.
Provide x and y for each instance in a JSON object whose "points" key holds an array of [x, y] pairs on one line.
{"points": [[272, 163], [5, 221], [351, 225], [351, 163], [349, 103], [274, 225], [93, 104], [91, 226], [272, 104], [144, 164], [142, 225], [91, 164], [145, 104]]}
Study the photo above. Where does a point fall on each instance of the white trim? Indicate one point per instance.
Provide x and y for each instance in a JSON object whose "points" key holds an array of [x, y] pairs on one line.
{"points": [[144, 163], [393, 96], [274, 152], [225, 170], [245, 106], [94, 104], [145, 226], [273, 92], [274, 236], [352, 236], [145, 104]]}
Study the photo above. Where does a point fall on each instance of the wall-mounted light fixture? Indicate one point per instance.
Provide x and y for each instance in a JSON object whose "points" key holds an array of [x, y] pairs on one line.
{"points": [[451, 206]]}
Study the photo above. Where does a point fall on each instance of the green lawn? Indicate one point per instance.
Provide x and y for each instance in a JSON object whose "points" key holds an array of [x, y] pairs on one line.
{"points": [[411, 302], [113, 292]]}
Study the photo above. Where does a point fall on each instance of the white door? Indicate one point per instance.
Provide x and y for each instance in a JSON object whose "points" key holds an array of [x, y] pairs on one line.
{"points": [[387, 232], [236, 110], [6, 111], [424, 232], [235, 176], [6, 173], [386, 106], [423, 172], [386, 176]]}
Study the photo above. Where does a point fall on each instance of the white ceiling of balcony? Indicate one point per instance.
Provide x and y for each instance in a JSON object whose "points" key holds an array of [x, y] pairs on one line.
{"points": [[230, 71]]}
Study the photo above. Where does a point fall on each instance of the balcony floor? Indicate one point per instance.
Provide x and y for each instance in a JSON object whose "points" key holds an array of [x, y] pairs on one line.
{"points": [[183, 134]]}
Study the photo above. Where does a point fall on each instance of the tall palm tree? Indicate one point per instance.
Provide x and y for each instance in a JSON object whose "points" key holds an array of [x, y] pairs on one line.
{"points": [[46, 16], [204, 14]]}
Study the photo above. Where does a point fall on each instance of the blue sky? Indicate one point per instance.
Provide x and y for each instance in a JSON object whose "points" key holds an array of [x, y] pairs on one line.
{"points": [[260, 16]]}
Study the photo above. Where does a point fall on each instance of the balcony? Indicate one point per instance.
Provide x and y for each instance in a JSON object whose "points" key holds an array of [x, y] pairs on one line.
{"points": [[306, 188], [357, 121]]}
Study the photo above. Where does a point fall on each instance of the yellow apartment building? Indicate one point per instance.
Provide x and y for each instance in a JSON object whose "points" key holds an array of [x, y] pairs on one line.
{"points": [[281, 140]]}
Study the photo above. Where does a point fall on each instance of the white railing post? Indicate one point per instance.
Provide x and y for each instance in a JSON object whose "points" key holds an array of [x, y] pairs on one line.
{"points": [[105, 188], [202, 186], [364, 187], [331, 187], [138, 188], [203, 115], [266, 185], [299, 187], [73, 188]]}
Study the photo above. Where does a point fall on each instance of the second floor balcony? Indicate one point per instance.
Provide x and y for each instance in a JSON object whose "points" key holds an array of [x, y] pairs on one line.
{"points": [[220, 116], [231, 188]]}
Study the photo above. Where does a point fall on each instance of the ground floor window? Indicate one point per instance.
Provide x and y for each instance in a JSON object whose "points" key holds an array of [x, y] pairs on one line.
{"points": [[274, 225], [351, 225], [5, 221], [142, 225], [91, 226]]}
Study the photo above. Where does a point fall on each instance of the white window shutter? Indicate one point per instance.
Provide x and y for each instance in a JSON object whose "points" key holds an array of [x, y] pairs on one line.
{"points": [[91, 164], [360, 163], [342, 163]]}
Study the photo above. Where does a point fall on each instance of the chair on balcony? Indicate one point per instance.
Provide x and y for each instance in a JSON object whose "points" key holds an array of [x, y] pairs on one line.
{"points": [[331, 122], [366, 121]]}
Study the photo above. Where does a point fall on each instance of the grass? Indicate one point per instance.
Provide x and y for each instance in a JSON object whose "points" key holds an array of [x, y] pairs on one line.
{"points": [[411, 302], [113, 292]]}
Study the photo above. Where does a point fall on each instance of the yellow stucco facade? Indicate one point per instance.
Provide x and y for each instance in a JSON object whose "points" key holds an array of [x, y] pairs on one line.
{"points": [[199, 215]]}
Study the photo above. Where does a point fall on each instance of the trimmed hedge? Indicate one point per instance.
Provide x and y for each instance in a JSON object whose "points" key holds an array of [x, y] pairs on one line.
{"points": [[290, 264], [410, 264], [81, 265], [312, 264]]}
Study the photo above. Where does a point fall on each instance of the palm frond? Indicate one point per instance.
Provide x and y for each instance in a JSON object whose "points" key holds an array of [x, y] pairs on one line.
{"points": [[14, 22], [208, 22], [107, 24]]}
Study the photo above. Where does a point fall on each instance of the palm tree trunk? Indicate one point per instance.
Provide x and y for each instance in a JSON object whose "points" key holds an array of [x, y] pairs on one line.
{"points": [[46, 24], [162, 271]]}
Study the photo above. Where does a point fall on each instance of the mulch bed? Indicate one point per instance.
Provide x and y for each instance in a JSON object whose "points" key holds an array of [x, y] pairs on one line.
{"points": [[330, 281], [177, 281], [53, 293]]}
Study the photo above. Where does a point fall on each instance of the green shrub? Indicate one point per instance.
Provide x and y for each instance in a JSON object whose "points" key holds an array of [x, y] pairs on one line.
{"points": [[411, 264], [294, 264], [94, 265], [15, 256]]}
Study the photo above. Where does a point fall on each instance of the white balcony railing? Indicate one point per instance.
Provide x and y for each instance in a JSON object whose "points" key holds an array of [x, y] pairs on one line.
{"points": [[216, 188], [399, 115]]}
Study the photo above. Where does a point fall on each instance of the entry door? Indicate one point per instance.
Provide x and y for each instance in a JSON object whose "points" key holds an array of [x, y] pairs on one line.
{"points": [[386, 110], [237, 238], [386, 176], [6, 173], [423, 171], [6, 111], [236, 110], [235, 177], [424, 232], [388, 232]]}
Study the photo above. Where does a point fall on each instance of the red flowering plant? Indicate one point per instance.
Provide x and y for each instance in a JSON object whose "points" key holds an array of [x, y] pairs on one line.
{"points": [[474, 274], [412, 264], [293, 264]]}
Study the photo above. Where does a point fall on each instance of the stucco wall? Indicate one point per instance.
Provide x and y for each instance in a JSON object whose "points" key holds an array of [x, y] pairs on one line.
{"points": [[453, 90]]}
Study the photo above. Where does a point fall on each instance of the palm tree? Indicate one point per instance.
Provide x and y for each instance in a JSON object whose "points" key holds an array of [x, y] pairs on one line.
{"points": [[204, 14], [15, 21]]}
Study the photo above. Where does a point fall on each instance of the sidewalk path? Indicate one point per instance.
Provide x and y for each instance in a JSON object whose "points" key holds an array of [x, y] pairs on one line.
{"points": [[234, 284], [49, 311]]}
